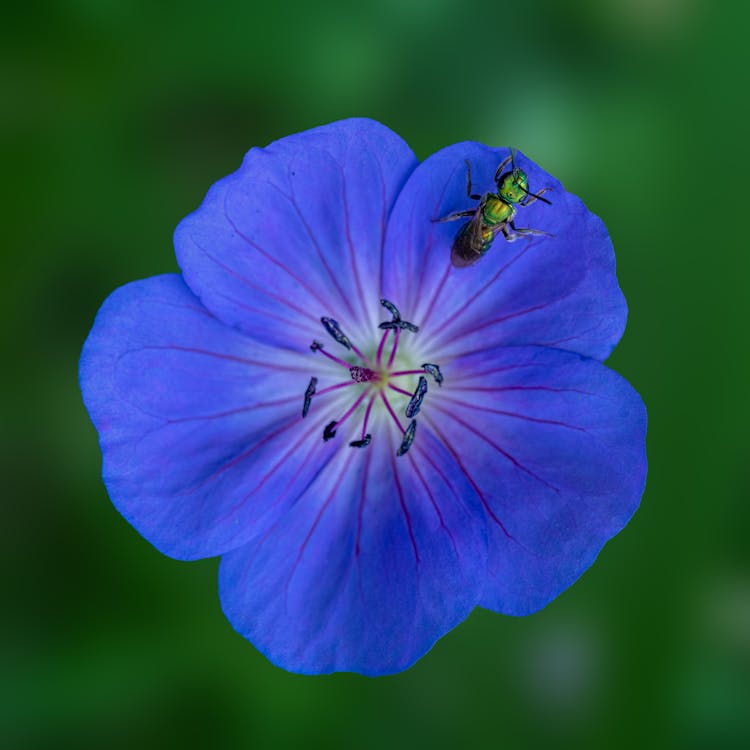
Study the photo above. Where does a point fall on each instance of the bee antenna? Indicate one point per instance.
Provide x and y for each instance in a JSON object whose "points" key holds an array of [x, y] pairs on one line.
{"points": [[538, 197], [513, 157]]}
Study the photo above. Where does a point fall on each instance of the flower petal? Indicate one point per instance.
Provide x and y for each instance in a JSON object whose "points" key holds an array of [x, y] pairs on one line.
{"points": [[199, 425], [380, 558], [555, 446], [297, 231], [556, 291]]}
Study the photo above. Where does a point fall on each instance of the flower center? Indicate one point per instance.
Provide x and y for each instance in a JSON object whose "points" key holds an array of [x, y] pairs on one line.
{"points": [[376, 374]]}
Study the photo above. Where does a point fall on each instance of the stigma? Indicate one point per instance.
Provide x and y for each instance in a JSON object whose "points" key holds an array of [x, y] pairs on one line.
{"points": [[376, 374]]}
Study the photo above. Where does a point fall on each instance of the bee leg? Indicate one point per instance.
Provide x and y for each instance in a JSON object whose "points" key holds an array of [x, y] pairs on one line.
{"points": [[471, 195], [457, 215], [509, 236], [534, 196], [524, 232]]}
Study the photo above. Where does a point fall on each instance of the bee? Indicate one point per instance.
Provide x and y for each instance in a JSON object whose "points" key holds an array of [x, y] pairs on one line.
{"points": [[494, 214]]}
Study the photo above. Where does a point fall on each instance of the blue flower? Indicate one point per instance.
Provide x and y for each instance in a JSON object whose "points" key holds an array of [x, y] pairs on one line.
{"points": [[374, 441]]}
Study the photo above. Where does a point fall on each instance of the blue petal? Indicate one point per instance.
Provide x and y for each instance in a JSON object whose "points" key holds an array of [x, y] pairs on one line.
{"points": [[554, 444], [381, 557], [297, 231], [198, 424], [559, 291]]}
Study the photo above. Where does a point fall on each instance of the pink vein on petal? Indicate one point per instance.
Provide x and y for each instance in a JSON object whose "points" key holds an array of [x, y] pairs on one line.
{"points": [[497, 447], [462, 308], [470, 479], [244, 280], [404, 510], [311, 290], [516, 415], [317, 520], [321, 256], [217, 355], [435, 506], [245, 454]]}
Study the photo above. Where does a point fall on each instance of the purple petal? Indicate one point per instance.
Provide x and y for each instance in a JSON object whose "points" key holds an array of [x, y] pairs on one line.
{"points": [[381, 557], [559, 291], [297, 232], [200, 427], [555, 447]]}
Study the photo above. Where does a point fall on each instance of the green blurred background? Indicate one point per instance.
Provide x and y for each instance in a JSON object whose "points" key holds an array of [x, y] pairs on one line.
{"points": [[118, 116]]}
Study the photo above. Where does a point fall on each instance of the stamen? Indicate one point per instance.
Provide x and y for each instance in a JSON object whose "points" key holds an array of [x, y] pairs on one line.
{"points": [[395, 347], [375, 376], [329, 431], [308, 396], [335, 387], [367, 415], [335, 331], [408, 326], [380, 347], [316, 346], [399, 390], [398, 324], [365, 441], [391, 412], [392, 309], [433, 370], [408, 438], [331, 427], [415, 403]]}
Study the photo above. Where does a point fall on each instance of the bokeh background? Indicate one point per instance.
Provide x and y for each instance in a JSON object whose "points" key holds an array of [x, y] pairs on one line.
{"points": [[116, 117]]}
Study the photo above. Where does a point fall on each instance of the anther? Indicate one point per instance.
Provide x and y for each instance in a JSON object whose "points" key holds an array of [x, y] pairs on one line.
{"points": [[402, 324], [392, 309], [315, 346], [329, 431], [361, 443], [433, 370], [334, 330], [308, 396], [362, 374], [415, 402], [408, 438], [396, 322]]}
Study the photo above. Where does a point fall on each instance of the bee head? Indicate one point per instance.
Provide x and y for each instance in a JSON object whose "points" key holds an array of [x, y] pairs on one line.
{"points": [[513, 186]]}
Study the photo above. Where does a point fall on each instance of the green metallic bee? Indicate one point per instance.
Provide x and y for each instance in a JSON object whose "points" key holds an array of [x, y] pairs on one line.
{"points": [[494, 214]]}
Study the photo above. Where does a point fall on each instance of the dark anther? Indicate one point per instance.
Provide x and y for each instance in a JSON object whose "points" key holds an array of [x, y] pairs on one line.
{"points": [[415, 403], [329, 431], [308, 396], [408, 326], [315, 346], [333, 328], [403, 324], [396, 322], [361, 443], [362, 374], [392, 309], [433, 370], [408, 438]]}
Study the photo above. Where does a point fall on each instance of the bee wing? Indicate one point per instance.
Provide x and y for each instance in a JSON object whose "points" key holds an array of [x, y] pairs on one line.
{"points": [[476, 241], [468, 246]]}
